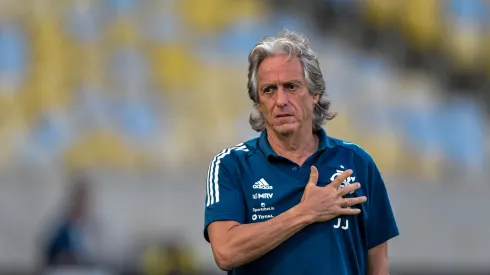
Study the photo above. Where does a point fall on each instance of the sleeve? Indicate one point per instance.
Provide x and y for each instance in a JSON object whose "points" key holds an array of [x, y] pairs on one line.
{"points": [[224, 197], [381, 224]]}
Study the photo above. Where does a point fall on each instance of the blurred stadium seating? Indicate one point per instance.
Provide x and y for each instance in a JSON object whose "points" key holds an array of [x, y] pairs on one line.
{"points": [[121, 67], [159, 86]]}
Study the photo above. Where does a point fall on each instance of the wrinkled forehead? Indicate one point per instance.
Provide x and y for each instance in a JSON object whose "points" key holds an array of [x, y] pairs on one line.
{"points": [[280, 67]]}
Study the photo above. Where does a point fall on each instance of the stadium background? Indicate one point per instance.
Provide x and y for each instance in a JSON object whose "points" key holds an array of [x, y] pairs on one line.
{"points": [[137, 96]]}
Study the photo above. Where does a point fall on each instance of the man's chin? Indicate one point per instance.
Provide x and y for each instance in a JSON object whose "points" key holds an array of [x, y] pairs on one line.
{"points": [[286, 129]]}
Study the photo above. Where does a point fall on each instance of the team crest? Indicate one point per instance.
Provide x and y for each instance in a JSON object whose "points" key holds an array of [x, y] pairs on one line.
{"points": [[346, 182]]}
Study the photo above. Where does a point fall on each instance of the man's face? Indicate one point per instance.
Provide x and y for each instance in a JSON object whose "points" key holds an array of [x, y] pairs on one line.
{"points": [[284, 99]]}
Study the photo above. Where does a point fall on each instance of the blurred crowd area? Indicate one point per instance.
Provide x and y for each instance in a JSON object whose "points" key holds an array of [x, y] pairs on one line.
{"points": [[130, 84], [149, 85]]}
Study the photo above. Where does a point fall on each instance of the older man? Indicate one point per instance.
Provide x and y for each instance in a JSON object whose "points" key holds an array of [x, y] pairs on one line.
{"points": [[294, 200]]}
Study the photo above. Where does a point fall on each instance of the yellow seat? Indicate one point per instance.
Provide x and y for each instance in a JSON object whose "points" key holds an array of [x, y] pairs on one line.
{"points": [[122, 31], [421, 23], [103, 149], [30, 103], [174, 67], [486, 51], [381, 13], [247, 9], [196, 123], [465, 49], [12, 125], [225, 86], [386, 149], [157, 261], [208, 16], [48, 36], [224, 91], [341, 126], [46, 90], [464, 46], [48, 83], [8, 107], [90, 64]]}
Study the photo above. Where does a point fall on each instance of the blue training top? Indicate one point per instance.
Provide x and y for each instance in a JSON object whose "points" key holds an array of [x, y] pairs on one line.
{"points": [[249, 183]]}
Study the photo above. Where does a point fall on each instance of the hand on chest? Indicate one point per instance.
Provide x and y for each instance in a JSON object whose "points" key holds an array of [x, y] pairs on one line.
{"points": [[273, 190]]}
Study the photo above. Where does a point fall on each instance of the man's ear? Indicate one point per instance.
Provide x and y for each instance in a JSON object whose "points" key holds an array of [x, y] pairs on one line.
{"points": [[316, 98], [259, 107]]}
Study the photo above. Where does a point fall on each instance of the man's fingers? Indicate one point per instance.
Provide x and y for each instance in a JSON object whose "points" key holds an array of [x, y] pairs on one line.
{"points": [[348, 202], [338, 180], [313, 176], [349, 188], [349, 211]]}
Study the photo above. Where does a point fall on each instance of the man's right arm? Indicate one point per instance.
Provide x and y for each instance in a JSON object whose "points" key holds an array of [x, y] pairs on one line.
{"points": [[235, 244]]}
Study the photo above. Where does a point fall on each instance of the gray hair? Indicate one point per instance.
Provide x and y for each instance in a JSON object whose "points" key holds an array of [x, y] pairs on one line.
{"points": [[295, 45]]}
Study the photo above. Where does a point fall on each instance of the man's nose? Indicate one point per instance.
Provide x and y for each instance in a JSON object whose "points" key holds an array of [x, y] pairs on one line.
{"points": [[282, 97]]}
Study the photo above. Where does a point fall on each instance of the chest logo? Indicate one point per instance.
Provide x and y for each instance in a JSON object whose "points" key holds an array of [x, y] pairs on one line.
{"points": [[263, 208], [262, 184], [257, 196], [347, 181]]}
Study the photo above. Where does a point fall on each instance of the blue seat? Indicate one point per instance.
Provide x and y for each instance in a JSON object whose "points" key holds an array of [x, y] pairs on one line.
{"points": [[293, 22], [464, 132], [138, 120], [163, 27], [13, 55], [84, 26], [123, 6], [422, 128], [240, 37], [466, 10], [47, 138], [128, 68]]}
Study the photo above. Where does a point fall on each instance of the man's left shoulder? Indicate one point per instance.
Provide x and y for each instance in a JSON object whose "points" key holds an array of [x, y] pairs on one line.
{"points": [[355, 148]]}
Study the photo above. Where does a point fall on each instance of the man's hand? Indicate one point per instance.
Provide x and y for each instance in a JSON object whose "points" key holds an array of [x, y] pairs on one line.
{"points": [[325, 203]]}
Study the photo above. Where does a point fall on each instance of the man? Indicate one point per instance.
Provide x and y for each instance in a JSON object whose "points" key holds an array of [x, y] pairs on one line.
{"points": [[73, 244], [294, 200]]}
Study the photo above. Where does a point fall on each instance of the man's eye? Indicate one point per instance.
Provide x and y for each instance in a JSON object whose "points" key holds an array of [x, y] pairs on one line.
{"points": [[268, 90], [291, 87]]}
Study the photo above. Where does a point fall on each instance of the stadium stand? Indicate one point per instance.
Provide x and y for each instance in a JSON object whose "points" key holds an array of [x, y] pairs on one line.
{"points": [[125, 66]]}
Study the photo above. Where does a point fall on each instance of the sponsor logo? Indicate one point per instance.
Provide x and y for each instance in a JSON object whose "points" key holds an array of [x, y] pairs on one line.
{"points": [[257, 196], [262, 208], [261, 217], [262, 184]]}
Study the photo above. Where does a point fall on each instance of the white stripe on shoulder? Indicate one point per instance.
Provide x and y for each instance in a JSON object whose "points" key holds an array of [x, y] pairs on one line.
{"points": [[212, 186], [208, 183], [350, 143], [354, 144]]}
